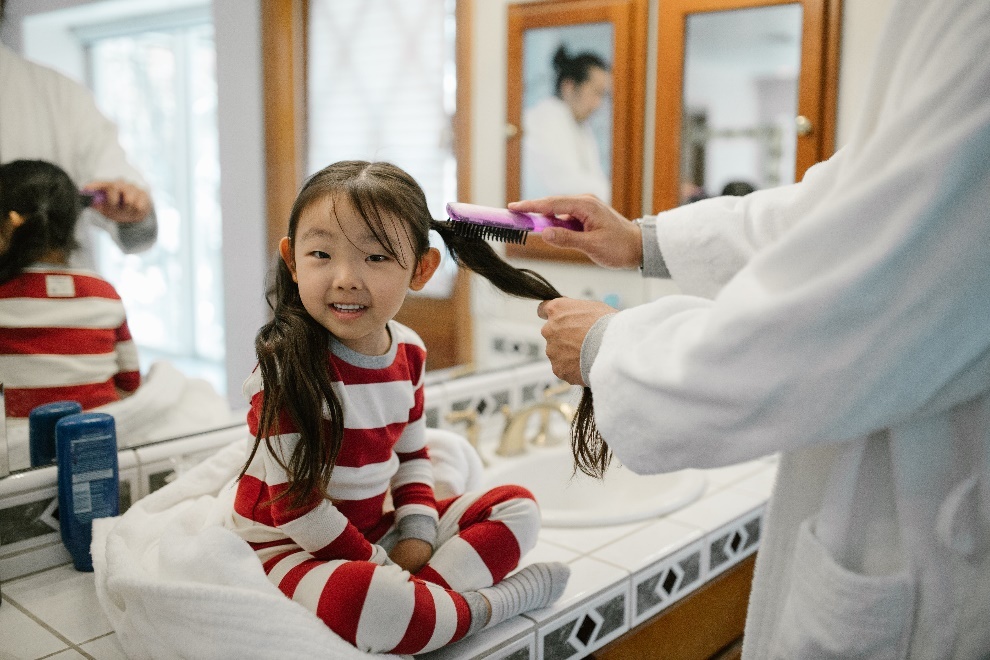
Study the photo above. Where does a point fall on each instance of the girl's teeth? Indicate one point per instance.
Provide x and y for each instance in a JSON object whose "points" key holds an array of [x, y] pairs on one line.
{"points": [[349, 308]]}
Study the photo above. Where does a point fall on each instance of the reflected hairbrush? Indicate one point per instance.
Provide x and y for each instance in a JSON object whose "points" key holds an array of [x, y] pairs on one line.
{"points": [[486, 222], [89, 197]]}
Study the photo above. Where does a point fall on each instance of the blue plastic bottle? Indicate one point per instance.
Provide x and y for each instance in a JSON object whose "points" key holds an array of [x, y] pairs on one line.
{"points": [[88, 481], [41, 429]]}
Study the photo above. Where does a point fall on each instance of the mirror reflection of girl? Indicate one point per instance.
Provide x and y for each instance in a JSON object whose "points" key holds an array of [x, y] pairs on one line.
{"points": [[337, 413], [560, 153], [63, 331]]}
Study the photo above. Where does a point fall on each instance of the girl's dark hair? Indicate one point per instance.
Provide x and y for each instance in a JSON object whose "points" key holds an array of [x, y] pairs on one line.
{"points": [[577, 68], [48, 200], [292, 347]]}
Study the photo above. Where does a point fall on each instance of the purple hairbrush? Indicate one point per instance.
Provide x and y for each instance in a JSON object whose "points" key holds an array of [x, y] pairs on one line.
{"points": [[474, 221]]}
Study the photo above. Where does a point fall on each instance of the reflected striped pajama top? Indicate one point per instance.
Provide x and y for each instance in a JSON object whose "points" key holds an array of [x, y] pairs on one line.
{"points": [[63, 337]]}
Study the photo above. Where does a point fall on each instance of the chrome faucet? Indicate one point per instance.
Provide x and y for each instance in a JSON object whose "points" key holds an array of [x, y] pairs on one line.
{"points": [[514, 437]]}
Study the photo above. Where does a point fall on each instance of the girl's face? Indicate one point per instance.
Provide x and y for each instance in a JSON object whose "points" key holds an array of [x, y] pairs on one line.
{"points": [[347, 281], [587, 97]]}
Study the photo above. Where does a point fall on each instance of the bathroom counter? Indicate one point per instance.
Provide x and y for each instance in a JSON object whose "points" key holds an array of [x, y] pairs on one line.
{"points": [[622, 576]]}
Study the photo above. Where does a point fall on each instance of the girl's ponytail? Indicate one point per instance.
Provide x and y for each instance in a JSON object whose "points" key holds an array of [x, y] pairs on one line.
{"points": [[591, 454]]}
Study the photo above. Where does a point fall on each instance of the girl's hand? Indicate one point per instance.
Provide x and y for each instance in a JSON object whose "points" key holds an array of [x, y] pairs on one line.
{"points": [[411, 554]]}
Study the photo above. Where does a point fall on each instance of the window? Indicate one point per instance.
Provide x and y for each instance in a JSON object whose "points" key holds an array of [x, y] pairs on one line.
{"points": [[381, 86], [156, 78]]}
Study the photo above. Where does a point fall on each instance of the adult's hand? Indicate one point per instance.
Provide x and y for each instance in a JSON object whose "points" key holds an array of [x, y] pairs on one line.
{"points": [[567, 323], [609, 239], [119, 200]]}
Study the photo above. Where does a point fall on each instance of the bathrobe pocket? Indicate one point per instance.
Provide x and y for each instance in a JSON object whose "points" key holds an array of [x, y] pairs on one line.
{"points": [[831, 612]]}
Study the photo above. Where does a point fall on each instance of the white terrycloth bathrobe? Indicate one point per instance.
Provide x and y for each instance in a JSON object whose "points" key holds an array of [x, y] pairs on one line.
{"points": [[46, 116], [845, 321], [560, 155]]}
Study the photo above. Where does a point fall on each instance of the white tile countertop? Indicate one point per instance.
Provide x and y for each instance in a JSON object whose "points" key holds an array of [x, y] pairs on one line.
{"points": [[54, 613]]}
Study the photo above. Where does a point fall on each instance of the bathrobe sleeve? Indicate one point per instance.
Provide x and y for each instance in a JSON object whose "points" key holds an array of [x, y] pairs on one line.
{"points": [[828, 309]]}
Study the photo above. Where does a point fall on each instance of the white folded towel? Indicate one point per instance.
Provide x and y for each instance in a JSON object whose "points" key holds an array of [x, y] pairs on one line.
{"points": [[176, 584], [456, 465]]}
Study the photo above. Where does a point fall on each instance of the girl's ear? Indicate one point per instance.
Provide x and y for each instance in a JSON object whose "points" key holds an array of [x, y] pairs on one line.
{"points": [[15, 219], [425, 268], [285, 250]]}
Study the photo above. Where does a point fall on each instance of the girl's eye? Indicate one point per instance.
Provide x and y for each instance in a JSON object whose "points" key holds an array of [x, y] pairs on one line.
{"points": [[320, 254], [377, 258]]}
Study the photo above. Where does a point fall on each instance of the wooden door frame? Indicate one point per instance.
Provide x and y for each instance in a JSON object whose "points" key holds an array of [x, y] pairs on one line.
{"points": [[817, 87]]}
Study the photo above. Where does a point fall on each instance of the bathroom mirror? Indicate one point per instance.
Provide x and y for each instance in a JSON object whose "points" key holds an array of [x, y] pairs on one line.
{"points": [[745, 95], [586, 138]]}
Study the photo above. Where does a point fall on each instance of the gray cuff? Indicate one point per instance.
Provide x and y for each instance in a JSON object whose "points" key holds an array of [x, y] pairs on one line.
{"points": [[653, 263], [138, 236], [589, 347], [418, 526]]}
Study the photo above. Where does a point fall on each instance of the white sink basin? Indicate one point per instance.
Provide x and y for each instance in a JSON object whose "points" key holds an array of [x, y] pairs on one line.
{"points": [[581, 501]]}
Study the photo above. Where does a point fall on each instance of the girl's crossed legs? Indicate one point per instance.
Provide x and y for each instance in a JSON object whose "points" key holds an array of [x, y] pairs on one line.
{"points": [[481, 537]]}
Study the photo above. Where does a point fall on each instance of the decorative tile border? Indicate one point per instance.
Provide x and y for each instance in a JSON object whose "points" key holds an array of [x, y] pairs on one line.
{"points": [[663, 584], [732, 543], [586, 628], [523, 649]]}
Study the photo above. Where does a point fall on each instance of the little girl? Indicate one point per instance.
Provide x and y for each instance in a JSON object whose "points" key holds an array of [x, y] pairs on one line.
{"points": [[63, 331], [337, 414]]}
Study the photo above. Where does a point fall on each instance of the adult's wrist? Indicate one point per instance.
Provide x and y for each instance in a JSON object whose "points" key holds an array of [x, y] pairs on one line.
{"points": [[652, 264]]}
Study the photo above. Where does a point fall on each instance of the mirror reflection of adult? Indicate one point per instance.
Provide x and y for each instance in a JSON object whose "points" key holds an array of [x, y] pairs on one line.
{"points": [[560, 155], [47, 116], [843, 321]]}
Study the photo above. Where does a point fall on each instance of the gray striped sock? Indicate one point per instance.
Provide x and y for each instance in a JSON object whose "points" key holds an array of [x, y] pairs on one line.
{"points": [[532, 587]]}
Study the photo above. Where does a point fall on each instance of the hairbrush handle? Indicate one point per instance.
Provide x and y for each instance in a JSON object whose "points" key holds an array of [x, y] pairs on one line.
{"points": [[495, 217]]}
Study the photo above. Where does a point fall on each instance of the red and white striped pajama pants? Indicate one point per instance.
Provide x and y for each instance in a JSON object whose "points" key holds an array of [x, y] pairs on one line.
{"points": [[481, 537]]}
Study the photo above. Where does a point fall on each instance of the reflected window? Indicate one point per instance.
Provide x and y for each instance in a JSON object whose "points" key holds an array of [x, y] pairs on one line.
{"points": [[156, 79], [741, 72], [381, 87]]}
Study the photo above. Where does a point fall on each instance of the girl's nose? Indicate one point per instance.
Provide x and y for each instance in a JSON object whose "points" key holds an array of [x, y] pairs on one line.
{"points": [[346, 276]]}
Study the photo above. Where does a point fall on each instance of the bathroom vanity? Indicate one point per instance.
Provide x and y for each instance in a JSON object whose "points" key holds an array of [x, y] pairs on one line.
{"points": [[673, 582]]}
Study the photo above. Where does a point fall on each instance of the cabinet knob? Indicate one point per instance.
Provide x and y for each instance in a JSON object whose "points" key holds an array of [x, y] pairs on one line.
{"points": [[803, 125]]}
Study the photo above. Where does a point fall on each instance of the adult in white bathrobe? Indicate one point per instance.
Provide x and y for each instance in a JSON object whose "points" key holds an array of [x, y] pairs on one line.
{"points": [[47, 116], [845, 322], [560, 154]]}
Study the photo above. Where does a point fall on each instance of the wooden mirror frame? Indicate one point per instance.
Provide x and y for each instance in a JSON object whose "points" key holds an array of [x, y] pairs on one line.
{"points": [[817, 85], [629, 20]]}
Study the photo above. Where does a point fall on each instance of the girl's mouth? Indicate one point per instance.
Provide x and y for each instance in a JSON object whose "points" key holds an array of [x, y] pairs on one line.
{"points": [[342, 308]]}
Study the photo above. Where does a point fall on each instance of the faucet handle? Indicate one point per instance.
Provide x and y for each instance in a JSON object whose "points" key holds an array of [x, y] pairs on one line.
{"points": [[469, 417], [554, 391]]}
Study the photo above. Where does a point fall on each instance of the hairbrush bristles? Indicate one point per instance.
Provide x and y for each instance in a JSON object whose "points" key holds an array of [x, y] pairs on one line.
{"points": [[484, 232]]}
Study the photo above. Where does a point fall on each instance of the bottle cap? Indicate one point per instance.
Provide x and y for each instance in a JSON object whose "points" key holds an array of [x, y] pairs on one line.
{"points": [[41, 429]]}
